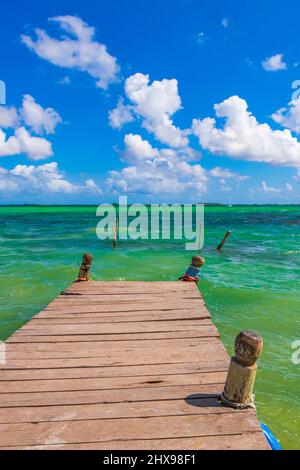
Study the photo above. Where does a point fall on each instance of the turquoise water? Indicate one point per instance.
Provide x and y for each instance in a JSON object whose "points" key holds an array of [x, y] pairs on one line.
{"points": [[253, 283]]}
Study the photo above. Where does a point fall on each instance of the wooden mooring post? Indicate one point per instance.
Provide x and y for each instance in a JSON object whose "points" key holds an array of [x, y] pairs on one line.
{"points": [[238, 390], [85, 267]]}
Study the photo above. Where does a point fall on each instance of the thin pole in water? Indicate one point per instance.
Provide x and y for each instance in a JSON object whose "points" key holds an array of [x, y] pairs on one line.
{"points": [[219, 247], [115, 231]]}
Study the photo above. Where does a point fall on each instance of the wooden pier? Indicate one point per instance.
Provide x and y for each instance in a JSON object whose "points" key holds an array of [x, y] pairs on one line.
{"points": [[121, 365]]}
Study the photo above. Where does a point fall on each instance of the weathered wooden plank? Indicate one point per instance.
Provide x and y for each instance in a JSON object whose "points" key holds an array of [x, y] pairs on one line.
{"points": [[111, 382], [155, 336], [116, 371], [129, 306], [127, 309], [247, 441], [60, 317], [109, 396], [137, 327], [128, 297], [13, 349], [127, 291], [36, 414], [127, 428], [87, 358], [27, 348], [127, 284], [199, 312], [125, 298], [99, 319]]}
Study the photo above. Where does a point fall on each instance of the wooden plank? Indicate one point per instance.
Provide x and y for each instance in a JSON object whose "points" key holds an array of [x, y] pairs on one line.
{"points": [[127, 428], [109, 396], [110, 383], [28, 348], [114, 371], [247, 441], [137, 327], [198, 312], [154, 293], [113, 410], [154, 336], [168, 304], [110, 327], [125, 287], [161, 285], [112, 319], [124, 298], [71, 348], [60, 317], [86, 358]]}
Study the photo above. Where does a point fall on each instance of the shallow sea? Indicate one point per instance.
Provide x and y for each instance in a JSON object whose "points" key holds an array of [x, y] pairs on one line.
{"points": [[253, 283]]}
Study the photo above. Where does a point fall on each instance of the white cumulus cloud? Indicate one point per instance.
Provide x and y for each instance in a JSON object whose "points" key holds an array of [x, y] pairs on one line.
{"points": [[274, 63], [157, 171], [31, 179], [138, 149], [92, 186], [44, 179], [289, 117], [8, 146], [121, 115], [155, 104], [8, 117], [30, 117], [40, 120], [243, 137], [225, 174], [79, 51], [36, 148]]}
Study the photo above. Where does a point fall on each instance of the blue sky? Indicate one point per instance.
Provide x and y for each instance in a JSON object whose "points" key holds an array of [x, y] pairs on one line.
{"points": [[162, 70]]}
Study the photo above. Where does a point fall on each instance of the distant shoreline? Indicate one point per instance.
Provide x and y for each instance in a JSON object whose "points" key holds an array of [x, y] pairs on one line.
{"points": [[210, 204]]}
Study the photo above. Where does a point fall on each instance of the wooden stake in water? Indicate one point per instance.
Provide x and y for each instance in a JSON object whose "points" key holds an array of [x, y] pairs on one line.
{"points": [[219, 247], [115, 232]]}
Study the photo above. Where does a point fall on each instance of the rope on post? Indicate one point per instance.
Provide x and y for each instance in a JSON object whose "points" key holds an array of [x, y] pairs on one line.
{"points": [[238, 390], [85, 267]]}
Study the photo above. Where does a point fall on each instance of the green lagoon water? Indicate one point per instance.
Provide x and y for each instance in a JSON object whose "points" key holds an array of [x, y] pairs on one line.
{"points": [[253, 283]]}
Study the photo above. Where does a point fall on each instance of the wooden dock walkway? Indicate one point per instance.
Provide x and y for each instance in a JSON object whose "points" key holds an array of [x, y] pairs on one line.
{"points": [[121, 365]]}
